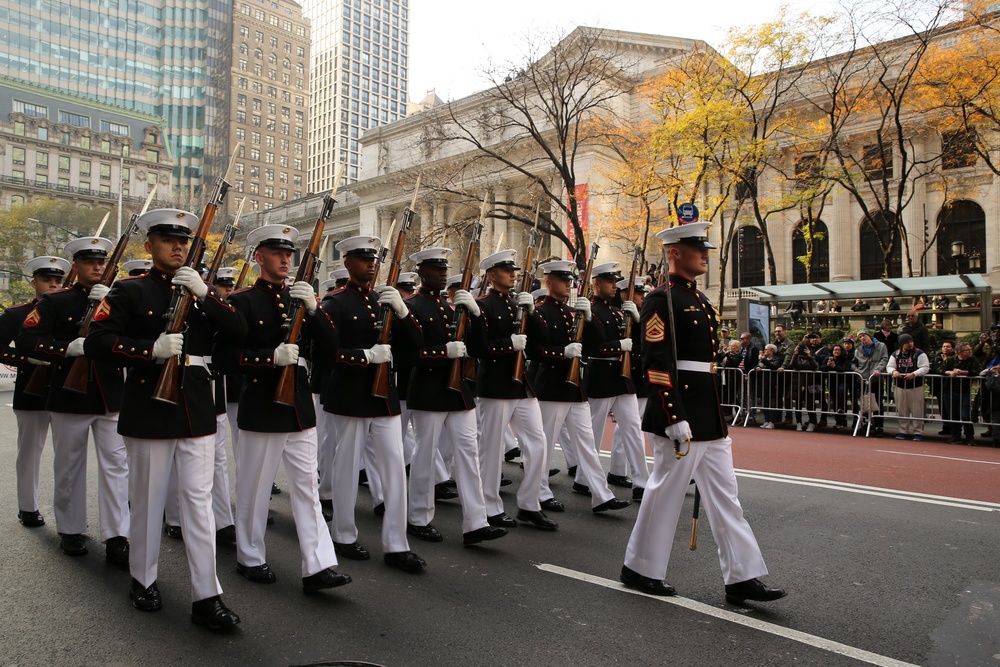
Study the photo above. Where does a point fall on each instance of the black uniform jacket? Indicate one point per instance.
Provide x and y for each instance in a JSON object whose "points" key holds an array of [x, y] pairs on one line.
{"points": [[680, 395], [549, 365], [355, 311], [47, 330], [321, 357], [431, 367], [10, 324], [125, 326], [604, 368], [265, 306], [638, 376], [494, 378]]}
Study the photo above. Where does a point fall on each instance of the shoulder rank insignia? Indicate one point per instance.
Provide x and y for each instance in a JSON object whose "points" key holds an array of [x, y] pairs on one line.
{"points": [[655, 329], [103, 310], [33, 318], [661, 378]]}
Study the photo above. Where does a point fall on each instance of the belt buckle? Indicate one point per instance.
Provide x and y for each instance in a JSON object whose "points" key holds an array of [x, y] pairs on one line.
{"points": [[713, 367], [187, 359]]}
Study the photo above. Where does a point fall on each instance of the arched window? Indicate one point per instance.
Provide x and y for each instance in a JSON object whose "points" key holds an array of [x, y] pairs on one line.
{"points": [[16, 199], [961, 221], [819, 260], [258, 54], [875, 235], [747, 259]]}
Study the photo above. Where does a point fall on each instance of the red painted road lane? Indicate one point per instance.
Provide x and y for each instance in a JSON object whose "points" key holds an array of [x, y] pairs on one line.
{"points": [[932, 466]]}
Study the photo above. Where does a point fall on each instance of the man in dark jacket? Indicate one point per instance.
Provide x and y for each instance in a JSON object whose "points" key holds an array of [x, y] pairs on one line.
{"points": [[918, 330]]}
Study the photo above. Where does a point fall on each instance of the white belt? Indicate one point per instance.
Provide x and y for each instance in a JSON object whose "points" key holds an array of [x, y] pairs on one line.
{"points": [[696, 366], [303, 362], [613, 360], [192, 360]]}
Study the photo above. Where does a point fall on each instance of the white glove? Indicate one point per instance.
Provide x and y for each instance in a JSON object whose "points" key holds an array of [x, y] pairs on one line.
{"points": [[75, 348], [630, 308], [525, 300], [681, 431], [168, 345], [466, 300], [573, 350], [38, 362], [518, 341], [285, 355], [390, 296], [582, 304], [379, 354], [305, 293], [456, 349], [626, 344], [98, 292], [190, 280]]}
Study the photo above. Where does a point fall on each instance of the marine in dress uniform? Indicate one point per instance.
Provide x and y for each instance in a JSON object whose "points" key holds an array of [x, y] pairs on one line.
{"points": [[504, 402], [684, 411], [607, 390], [439, 412], [162, 437], [561, 402], [270, 432], [318, 377], [51, 332], [47, 273], [618, 472], [357, 415], [137, 267]]}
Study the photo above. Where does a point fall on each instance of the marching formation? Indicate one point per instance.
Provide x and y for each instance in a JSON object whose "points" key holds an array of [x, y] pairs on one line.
{"points": [[413, 382]]}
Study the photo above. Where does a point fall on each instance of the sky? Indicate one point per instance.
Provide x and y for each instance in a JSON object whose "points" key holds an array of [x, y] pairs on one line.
{"points": [[451, 41]]}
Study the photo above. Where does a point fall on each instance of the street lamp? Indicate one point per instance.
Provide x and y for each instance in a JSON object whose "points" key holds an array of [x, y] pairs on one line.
{"points": [[958, 254], [52, 224], [975, 263]]}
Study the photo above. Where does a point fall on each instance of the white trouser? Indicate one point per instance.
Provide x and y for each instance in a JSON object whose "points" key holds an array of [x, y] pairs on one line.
{"points": [[231, 411], [523, 415], [569, 450], [509, 440], [409, 438], [710, 464], [256, 467], [446, 452], [368, 462], [576, 418], [626, 410], [152, 462], [618, 457], [69, 447], [459, 428], [327, 450], [387, 441], [32, 429], [221, 501]]}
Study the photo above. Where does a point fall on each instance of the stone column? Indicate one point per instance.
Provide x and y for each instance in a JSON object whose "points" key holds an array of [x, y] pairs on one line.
{"points": [[844, 253]]}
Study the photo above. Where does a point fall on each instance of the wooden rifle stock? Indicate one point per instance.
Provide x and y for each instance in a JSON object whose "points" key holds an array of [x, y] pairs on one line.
{"points": [[38, 383], [459, 366], [380, 385], [521, 320], [573, 374], [284, 393], [629, 296]]}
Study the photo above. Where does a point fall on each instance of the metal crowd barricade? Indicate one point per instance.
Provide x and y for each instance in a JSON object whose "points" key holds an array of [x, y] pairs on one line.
{"points": [[732, 390], [808, 395], [959, 403]]}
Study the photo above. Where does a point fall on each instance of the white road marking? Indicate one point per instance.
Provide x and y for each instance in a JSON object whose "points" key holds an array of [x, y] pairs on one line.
{"points": [[739, 619], [935, 456]]}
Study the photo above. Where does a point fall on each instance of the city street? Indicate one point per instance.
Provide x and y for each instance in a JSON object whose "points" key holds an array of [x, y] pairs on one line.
{"points": [[887, 549]]}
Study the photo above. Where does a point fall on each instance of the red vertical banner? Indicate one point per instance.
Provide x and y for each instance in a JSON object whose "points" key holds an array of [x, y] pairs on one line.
{"points": [[582, 209]]}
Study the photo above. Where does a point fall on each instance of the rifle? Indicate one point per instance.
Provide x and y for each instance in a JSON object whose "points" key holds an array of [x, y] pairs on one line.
{"points": [[520, 321], [382, 253], [167, 387], [461, 319], [284, 393], [573, 374], [383, 328], [228, 235], [627, 356], [38, 383]]}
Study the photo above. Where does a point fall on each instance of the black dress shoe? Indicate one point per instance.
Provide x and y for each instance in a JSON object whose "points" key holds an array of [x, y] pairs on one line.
{"points": [[326, 506], [553, 505], [482, 535], [755, 590], [116, 551], [512, 454], [582, 489], [258, 574], [145, 598], [72, 544], [407, 561], [379, 509], [275, 489], [442, 492], [31, 519], [571, 471], [427, 533], [450, 483], [352, 551], [505, 481], [362, 477], [536, 519], [213, 614], [502, 520], [270, 518], [620, 480], [637, 494], [226, 536], [174, 532], [636, 581], [553, 472], [613, 504], [327, 578]]}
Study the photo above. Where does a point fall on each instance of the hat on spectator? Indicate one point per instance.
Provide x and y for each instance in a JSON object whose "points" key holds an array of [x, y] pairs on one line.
{"points": [[864, 332], [904, 339], [815, 334]]}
